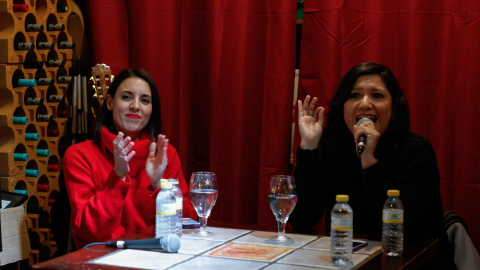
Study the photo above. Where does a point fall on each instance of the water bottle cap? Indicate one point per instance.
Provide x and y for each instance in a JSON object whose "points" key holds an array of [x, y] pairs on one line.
{"points": [[173, 181], [393, 192], [342, 198], [163, 180], [165, 185]]}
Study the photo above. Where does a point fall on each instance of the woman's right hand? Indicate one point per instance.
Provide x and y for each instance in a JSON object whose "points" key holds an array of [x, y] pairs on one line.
{"points": [[310, 123], [122, 154]]}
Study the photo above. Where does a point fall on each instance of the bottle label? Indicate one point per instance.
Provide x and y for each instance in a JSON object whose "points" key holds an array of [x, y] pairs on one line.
{"points": [[167, 209], [392, 216], [179, 203], [342, 223]]}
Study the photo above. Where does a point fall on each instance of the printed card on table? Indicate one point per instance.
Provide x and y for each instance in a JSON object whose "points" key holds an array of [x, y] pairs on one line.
{"points": [[250, 251]]}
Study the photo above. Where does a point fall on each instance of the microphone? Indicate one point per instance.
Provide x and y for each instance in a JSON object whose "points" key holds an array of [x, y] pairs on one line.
{"points": [[168, 243], [362, 140]]}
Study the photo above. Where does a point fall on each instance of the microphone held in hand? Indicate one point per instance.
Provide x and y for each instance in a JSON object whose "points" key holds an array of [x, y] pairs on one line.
{"points": [[168, 243], [362, 140]]}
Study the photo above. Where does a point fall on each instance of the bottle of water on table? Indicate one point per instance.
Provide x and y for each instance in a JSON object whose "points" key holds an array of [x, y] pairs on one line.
{"points": [[392, 217], [341, 231], [179, 199], [166, 211]]}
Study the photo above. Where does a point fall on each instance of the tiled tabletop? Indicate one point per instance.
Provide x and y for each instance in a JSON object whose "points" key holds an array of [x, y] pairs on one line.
{"points": [[228, 248]]}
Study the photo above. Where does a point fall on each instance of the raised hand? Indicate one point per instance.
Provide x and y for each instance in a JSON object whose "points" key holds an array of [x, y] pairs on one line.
{"points": [[310, 123], [122, 154], [157, 160]]}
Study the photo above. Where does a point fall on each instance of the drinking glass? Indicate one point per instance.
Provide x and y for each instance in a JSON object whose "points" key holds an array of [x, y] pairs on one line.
{"points": [[282, 197], [203, 195]]}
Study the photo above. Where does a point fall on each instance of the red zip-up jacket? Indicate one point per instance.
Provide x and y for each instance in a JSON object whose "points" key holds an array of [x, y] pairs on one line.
{"points": [[103, 205]]}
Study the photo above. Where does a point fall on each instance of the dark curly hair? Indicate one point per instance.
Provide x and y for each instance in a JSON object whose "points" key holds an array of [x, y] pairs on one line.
{"points": [[154, 126], [400, 121]]}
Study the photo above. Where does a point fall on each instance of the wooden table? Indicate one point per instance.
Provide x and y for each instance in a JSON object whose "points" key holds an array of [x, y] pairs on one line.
{"points": [[307, 250]]}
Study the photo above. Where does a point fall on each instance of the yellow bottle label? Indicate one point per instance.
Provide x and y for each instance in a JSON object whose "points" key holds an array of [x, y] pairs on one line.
{"points": [[342, 223], [167, 209], [179, 203], [392, 216]]}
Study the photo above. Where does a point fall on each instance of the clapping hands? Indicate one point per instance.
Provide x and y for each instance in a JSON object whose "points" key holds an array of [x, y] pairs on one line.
{"points": [[156, 162]]}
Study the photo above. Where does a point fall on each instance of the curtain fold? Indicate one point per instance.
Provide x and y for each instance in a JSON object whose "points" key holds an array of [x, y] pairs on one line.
{"points": [[433, 48], [225, 72]]}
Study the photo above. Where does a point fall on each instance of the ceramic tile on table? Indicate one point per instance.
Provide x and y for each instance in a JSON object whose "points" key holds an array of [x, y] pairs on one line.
{"points": [[197, 246], [260, 237], [141, 259], [318, 258], [214, 263], [279, 266], [219, 234], [323, 243]]}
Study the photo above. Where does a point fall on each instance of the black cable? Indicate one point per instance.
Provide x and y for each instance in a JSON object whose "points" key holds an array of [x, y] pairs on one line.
{"points": [[95, 243]]}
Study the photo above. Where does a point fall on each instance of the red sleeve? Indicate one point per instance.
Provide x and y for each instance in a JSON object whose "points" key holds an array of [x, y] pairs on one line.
{"points": [[174, 170], [96, 199]]}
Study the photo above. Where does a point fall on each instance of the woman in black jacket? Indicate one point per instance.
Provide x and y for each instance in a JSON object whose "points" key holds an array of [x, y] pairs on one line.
{"points": [[329, 162]]}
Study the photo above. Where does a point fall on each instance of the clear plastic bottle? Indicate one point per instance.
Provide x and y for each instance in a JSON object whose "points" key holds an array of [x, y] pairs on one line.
{"points": [[179, 198], [392, 217], [341, 231], [166, 211]]}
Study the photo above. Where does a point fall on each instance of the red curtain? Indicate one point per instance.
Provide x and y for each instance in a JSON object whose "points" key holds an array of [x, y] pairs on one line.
{"points": [[225, 72], [433, 47]]}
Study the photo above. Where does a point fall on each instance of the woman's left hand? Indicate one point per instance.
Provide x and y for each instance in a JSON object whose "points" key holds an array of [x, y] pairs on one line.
{"points": [[367, 128], [157, 160]]}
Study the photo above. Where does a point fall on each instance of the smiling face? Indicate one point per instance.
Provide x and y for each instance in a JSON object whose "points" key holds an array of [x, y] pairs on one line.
{"points": [[369, 98], [131, 106]]}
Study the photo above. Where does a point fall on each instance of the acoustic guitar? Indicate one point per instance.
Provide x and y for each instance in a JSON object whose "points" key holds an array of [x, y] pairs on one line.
{"points": [[101, 79]]}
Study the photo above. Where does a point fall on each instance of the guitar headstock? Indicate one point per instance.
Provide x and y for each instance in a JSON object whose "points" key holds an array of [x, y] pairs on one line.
{"points": [[101, 79]]}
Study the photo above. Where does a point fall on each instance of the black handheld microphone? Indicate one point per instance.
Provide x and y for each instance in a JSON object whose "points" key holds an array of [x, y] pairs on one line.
{"points": [[168, 243], [362, 140]]}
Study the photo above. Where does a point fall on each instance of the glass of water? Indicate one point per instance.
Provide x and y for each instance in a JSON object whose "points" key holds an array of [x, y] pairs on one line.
{"points": [[203, 195], [282, 197]]}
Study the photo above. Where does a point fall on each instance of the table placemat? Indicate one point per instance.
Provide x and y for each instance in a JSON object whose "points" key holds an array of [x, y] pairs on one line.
{"points": [[250, 251]]}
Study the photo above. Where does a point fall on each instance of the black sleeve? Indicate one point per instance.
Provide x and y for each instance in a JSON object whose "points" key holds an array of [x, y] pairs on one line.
{"points": [[309, 208], [415, 173]]}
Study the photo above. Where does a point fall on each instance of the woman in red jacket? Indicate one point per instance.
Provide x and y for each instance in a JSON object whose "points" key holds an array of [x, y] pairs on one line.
{"points": [[112, 180]]}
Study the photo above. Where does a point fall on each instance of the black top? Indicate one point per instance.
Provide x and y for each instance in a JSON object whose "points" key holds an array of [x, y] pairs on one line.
{"points": [[408, 165]]}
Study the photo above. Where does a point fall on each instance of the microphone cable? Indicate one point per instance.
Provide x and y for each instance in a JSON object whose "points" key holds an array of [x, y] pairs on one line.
{"points": [[95, 243]]}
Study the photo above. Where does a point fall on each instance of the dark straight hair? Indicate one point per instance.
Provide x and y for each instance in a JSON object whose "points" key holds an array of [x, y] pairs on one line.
{"points": [[154, 126], [400, 121]]}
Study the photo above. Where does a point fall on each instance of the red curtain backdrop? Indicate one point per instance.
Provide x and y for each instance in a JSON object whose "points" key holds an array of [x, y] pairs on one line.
{"points": [[433, 47], [225, 72]]}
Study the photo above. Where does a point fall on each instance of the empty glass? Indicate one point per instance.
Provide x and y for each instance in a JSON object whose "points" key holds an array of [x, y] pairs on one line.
{"points": [[282, 197], [203, 195]]}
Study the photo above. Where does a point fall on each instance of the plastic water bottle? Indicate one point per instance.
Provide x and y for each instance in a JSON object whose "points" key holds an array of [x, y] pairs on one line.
{"points": [[166, 211], [392, 236], [179, 199], [341, 231]]}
